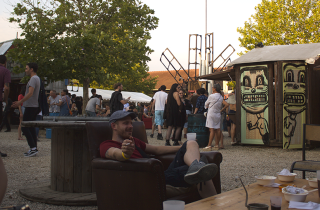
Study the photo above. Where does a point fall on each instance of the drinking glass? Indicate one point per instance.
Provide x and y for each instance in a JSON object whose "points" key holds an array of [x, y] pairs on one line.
{"points": [[275, 202], [191, 136]]}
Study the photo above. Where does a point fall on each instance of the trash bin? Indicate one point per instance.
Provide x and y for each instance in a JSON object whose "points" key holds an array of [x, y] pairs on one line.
{"points": [[48, 133], [197, 124]]}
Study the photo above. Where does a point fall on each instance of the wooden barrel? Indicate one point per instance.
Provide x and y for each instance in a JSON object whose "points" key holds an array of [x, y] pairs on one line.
{"points": [[70, 161], [197, 124]]}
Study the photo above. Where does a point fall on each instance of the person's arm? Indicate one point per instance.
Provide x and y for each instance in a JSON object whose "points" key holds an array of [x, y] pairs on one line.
{"points": [[124, 101], [206, 104], [177, 98], [152, 105], [6, 92], [225, 106], [60, 103], [26, 97], [122, 154], [161, 150], [98, 108], [195, 110]]}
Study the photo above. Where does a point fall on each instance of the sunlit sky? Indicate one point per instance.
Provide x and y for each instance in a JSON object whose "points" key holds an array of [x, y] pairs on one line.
{"points": [[177, 19]]}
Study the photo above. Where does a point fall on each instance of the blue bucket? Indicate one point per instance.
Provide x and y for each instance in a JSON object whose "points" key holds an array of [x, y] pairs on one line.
{"points": [[48, 133], [53, 114], [197, 124]]}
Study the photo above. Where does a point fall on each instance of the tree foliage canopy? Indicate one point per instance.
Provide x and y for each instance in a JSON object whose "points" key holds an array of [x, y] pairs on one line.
{"points": [[87, 40], [282, 22]]}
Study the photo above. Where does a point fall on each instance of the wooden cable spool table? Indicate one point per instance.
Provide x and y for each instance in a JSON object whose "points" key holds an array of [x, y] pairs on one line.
{"points": [[71, 175]]}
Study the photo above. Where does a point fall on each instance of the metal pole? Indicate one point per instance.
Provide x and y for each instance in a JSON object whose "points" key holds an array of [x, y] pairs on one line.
{"points": [[206, 17]]}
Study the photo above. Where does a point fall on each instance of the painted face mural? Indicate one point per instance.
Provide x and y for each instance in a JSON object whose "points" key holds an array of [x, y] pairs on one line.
{"points": [[294, 99], [254, 103]]}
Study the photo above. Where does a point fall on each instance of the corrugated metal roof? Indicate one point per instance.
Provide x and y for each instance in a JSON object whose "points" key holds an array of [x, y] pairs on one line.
{"points": [[4, 46], [305, 52]]}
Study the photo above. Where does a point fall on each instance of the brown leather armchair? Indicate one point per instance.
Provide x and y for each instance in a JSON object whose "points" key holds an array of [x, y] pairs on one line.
{"points": [[136, 183], [3, 180]]}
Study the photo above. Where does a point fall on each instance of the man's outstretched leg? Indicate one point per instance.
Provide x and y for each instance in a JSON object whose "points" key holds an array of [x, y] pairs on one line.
{"points": [[200, 170]]}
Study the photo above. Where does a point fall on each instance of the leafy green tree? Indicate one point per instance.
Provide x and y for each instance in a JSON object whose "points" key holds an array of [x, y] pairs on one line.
{"points": [[87, 40], [282, 22], [137, 80]]}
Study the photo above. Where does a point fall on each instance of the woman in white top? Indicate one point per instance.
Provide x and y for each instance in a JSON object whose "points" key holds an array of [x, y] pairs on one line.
{"points": [[213, 104]]}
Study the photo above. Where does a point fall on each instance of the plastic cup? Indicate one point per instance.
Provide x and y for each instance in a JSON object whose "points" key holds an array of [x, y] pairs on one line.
{"points": [[191, 136], [275, 202], [173, 205]]}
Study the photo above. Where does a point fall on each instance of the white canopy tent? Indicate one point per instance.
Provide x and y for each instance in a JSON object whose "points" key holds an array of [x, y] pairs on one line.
{"points": [[106, 94]]}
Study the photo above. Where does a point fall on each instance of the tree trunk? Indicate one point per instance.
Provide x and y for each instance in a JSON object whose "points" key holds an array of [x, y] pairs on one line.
{"points": [[86, 83]]}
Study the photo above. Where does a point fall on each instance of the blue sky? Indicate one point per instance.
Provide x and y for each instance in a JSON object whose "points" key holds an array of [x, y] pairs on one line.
{"points": [[177, 19]]}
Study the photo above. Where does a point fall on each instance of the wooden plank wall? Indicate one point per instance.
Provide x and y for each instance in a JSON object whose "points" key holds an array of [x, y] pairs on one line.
{"points": [[70, 161], [238, 103], [278, 101], [271, 105], [313, 87]]}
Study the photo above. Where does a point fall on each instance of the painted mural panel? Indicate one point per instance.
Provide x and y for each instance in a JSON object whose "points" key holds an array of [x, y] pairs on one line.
{"points": [[294, 104], [254, 105]]}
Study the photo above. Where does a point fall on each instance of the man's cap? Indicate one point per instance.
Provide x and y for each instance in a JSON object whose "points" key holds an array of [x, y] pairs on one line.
{"points": [[120, 114]]}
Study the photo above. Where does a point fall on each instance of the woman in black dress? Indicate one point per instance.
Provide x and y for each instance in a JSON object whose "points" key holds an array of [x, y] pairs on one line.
{"points": [[175, 115]]}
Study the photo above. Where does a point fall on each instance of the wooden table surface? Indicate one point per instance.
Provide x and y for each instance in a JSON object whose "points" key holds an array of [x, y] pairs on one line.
{"points": [[235, 199]]}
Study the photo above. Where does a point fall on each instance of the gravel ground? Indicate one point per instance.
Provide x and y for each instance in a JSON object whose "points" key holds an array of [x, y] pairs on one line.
{"points": [[237, 160]]}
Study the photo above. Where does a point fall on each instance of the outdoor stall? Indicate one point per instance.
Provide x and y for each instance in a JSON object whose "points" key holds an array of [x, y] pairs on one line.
{"points": [[276, 93]]}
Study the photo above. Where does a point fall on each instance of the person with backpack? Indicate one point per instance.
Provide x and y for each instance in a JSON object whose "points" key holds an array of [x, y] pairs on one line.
{"points": [[116, 101], [31, 104]]}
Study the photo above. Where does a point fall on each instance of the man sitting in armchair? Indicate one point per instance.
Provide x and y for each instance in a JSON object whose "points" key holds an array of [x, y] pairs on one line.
{"points": [[186, 169]]}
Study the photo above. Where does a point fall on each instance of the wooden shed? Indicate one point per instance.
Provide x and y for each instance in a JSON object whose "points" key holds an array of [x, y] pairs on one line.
{"points": [[277, 91]]}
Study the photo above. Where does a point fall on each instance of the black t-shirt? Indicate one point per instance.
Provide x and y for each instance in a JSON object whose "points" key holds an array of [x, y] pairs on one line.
{"points": [[79, 105], [187, 104], [115, 102]]}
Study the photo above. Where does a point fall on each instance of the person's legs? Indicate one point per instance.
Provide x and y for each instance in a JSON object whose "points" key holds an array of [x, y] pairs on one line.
{"points": [[153, 125], [229, 130], [6, 121], [168, 135], [207, 189], [177, 135], [159, 122], [217, 137], [233, 132], [30, 132], [192, 152], [2, 154], [211, 136], [38, 118], [221, 140]]}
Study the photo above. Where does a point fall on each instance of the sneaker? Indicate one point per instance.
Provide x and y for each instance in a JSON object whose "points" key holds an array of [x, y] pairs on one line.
{"points": [[151, 135], [200, 172], [31, 153], [167, 143], [3, 154], [159, 137]]}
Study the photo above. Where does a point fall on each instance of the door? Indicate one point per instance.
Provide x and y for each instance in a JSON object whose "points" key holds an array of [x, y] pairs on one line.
{"points": [[294, 104]]}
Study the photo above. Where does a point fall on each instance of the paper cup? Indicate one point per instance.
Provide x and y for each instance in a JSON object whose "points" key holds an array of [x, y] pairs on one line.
{"points": [[191, 136], [173, 205]]}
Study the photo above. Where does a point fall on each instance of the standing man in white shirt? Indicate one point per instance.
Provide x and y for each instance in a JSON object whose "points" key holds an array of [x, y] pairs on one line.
{"points": [[53, 101], [159, 98]]}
